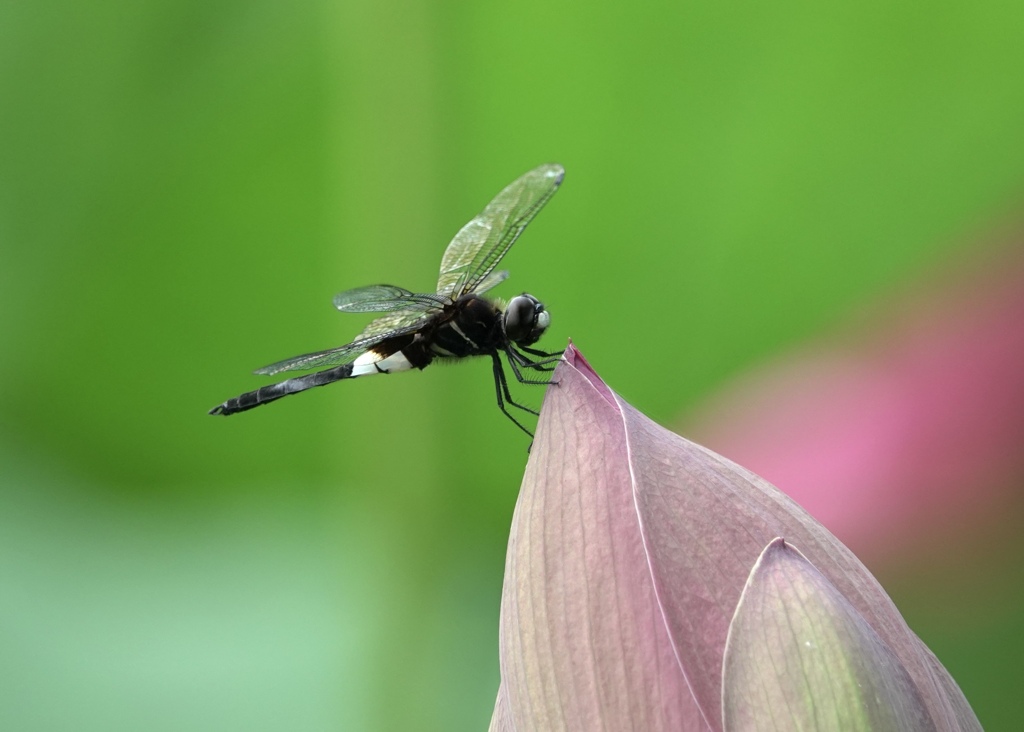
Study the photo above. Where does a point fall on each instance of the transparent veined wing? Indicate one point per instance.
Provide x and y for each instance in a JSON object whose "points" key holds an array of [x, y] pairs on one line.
{"points": [[410, 307], [383, 298], [400, 322], [492, 280], [479, 246], [342, 354]]}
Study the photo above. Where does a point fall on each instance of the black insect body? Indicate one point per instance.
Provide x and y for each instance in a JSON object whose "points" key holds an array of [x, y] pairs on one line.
{"points": [[453, 323]]}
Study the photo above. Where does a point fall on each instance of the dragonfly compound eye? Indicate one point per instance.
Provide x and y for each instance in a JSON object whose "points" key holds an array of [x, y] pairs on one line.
{"points": [[525, 320]]}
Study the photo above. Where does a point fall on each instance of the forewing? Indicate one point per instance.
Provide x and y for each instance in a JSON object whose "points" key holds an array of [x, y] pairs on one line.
{"points": [[492, 280], [383, 298], [480, 244]]}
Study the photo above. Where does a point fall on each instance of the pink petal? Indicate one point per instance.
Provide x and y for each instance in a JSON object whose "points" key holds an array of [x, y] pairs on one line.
{"points": [[583, 643], [629, 549], [799, 656]]}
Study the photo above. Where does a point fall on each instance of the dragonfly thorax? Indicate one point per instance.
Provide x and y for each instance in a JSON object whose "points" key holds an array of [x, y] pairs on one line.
{"points": [[525, 320]]}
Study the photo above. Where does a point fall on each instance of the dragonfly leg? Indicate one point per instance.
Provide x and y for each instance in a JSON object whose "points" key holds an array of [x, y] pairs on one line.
{"points": [[504, 395], [545, 362], [536, 352], [504, 387], [516, 359]]}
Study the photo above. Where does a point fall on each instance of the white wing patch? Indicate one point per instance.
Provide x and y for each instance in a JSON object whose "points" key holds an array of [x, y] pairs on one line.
{"points": [[373, 363]]}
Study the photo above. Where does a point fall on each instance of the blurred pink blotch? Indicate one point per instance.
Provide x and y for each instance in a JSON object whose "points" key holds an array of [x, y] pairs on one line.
{"points": [[900, 431]]}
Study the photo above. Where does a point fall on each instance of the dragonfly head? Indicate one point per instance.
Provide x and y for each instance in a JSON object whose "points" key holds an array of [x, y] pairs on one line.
{"points": [[525, 320]]}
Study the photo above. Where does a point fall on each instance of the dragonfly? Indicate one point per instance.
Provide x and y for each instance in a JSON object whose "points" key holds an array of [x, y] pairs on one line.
{"points": [[453, 323]]}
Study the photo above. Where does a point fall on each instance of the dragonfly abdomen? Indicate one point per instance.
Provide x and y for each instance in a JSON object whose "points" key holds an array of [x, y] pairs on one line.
{"points": [[367, 364], [371, 363], [266, 394]]}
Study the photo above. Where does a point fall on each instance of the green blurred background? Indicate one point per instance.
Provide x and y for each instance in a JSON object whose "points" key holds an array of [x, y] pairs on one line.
{"points": [[184, 186]]}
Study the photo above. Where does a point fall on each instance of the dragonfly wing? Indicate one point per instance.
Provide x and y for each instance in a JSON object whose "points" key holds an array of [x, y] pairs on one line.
{"points": [[350, 351], [319, 359], [399, 322], [479, 246], [384, 298], [491, 281]]}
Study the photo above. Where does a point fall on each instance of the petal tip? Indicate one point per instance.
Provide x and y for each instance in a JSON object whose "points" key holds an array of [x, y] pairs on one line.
{"points": [[577, 361]]}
